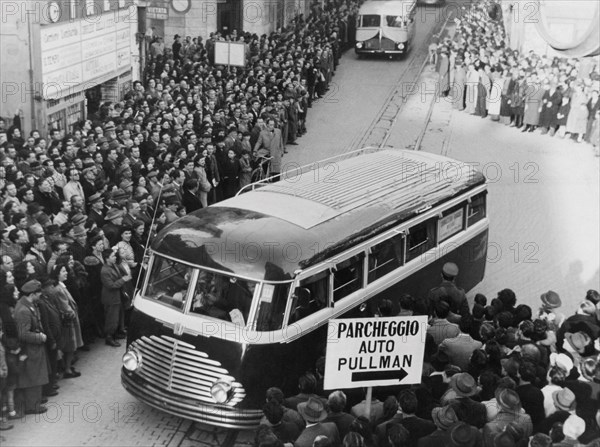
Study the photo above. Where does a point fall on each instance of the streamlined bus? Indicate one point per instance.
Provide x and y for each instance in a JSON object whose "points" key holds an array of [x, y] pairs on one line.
{"points": [[238, 295], [385, 27]]}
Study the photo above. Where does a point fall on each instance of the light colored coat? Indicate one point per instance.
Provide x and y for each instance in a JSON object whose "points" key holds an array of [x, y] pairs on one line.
{"points": [[270, 144]]}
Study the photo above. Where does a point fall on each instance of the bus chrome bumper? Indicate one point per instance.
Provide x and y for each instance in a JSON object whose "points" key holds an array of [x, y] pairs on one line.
{"points": [[221, 416], [372, 51]]}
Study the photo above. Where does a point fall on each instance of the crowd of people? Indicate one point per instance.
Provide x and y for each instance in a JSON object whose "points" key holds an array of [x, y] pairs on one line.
{"points": [[482, 75], [78, 208], [497, 374]]}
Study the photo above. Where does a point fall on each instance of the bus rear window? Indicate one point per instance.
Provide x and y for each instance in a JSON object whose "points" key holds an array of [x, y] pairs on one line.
{"points": [[476, 209], [370, 20], [169, 282]]}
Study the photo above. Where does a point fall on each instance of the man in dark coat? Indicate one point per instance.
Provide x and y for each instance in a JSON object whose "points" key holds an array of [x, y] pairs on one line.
{"points": [[447, 288], [33, 340], [551, 102], [51, 321]]}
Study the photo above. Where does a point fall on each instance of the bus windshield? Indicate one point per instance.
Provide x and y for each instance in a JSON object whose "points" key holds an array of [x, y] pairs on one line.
{"points": [[370, 20], [222, 297], [395, 21], [215, 295]]}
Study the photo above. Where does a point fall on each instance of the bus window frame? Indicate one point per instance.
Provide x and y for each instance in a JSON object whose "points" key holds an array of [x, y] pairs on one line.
{"points": [[292, 302], [483, 195], [433, 220], [396, 233], [448, 211], [361, 18], [186, 298], [362, 255]]}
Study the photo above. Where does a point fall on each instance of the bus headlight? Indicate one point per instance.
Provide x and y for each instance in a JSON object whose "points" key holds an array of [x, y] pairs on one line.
{"points": [[400, 46], [221, 391], [132, 360], [359, 45]]}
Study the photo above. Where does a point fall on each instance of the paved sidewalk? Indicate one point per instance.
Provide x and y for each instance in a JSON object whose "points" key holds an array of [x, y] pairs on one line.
{"points": [[544, 194]]}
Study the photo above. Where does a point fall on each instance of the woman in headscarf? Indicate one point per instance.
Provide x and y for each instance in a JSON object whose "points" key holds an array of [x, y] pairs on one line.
{"points": [[71, 338]]}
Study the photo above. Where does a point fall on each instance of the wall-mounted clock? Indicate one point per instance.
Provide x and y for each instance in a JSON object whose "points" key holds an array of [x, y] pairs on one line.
{"points": [[53, 12], [181, 6]]}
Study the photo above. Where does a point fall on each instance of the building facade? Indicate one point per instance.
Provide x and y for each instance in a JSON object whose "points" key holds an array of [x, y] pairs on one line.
{"points": [[564, 28], [199, 18], [61, 58]]}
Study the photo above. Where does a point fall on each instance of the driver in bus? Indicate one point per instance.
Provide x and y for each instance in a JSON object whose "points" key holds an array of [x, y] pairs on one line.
{"points": [[205, 301]]}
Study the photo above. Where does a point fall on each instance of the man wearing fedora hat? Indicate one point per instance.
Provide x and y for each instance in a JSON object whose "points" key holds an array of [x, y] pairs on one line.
{"points": [[468, 410], [314, 413], [465, 435], [509, 404], [444, 419], [32, 338], [583, 321]]}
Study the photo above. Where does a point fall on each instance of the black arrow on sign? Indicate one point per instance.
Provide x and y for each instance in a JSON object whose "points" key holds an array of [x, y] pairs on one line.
{"points": [[379, 375]]}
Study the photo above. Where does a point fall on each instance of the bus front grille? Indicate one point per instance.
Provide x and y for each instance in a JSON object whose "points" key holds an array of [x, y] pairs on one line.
{"points": [[387, 44], [178, 368], [373, 43]]}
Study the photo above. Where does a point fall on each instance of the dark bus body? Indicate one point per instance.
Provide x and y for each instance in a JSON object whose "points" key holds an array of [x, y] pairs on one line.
{"points": [[308, 251]]}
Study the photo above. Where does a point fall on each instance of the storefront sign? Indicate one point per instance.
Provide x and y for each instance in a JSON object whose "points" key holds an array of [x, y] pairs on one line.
{"points": [[82, 51], [157, 12], [366, 352]]}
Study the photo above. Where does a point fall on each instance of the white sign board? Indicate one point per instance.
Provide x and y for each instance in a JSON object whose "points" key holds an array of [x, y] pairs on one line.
{"points": [[230, 53], [83, 50], [363, 352]]}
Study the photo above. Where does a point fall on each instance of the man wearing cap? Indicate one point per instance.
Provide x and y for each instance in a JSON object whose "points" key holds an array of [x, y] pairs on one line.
{"points": [[114, 219], [314, 413], [444, 419], [448, 290], [511, 410], [96, 209], [461, 347], [32, 339]]}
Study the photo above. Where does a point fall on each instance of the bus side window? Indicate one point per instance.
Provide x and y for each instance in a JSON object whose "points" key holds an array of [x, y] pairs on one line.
{"points": [[386, 257], [421, 238], [477, 209], [348, 277], [311, 296]]}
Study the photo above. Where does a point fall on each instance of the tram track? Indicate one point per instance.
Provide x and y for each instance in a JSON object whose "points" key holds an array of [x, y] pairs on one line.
{"points": [[379, 131]]}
